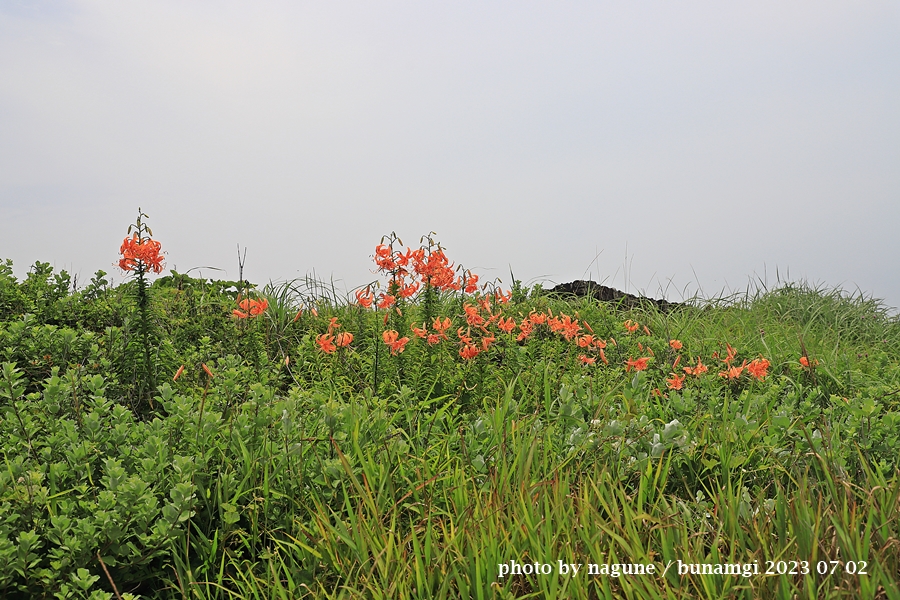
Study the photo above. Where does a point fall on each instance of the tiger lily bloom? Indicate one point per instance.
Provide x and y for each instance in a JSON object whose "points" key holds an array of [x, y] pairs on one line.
{"points": [[526, 327], [758, 368], [507, 325], [472, 316], [638, 364], [631, 326], [326, 343], [469, 352], [365, 298], [675, 344], [408, 290], [675, 382], [733, 372], [585, 341], [466, 337], [569, 328], [698, 370], [251, 308], [587, 360], [343, 339], [441, 325], [470, 282], [731, 354], [420, 332], [383, 258], [387, 301], [140, 253], [394, 342]]}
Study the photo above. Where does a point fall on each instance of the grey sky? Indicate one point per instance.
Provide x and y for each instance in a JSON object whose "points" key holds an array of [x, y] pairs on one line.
{"points": [[710, 141]]}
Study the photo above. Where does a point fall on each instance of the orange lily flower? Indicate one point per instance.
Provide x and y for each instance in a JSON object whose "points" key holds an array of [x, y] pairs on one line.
{"points": [[251, 308], [631, 326], [387, 301], [140, 253], [472, 316], [525, 327], [441, 325], [469, 352], [470, 282], [486, 341], [343, 339], [758, 368], [587, 360], [733, 372], [570, 328], [675, 344], [409, 290], [585, 341], [506, 326], [420, 332], [396, 345], [383, 257], [675, 382], [731, 354], [697, 371], [365, 298], [637, 364], [326, 343]]}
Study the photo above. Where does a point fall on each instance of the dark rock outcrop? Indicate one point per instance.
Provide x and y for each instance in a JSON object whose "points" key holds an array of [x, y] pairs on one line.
{"points": [[603, 293]]}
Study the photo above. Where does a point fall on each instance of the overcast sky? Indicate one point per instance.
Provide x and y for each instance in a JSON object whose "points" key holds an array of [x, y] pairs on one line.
{"points": [[666, 147]]}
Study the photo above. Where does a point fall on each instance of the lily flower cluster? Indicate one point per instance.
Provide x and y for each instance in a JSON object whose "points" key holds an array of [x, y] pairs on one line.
{"points": [[140, 254], [250, 307], [413, 271], [439, 327], [394, 341], [331, 341]]}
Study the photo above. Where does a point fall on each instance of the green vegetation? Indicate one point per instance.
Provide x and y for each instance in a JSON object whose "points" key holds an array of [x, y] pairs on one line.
{"points": [[288, 459]]}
